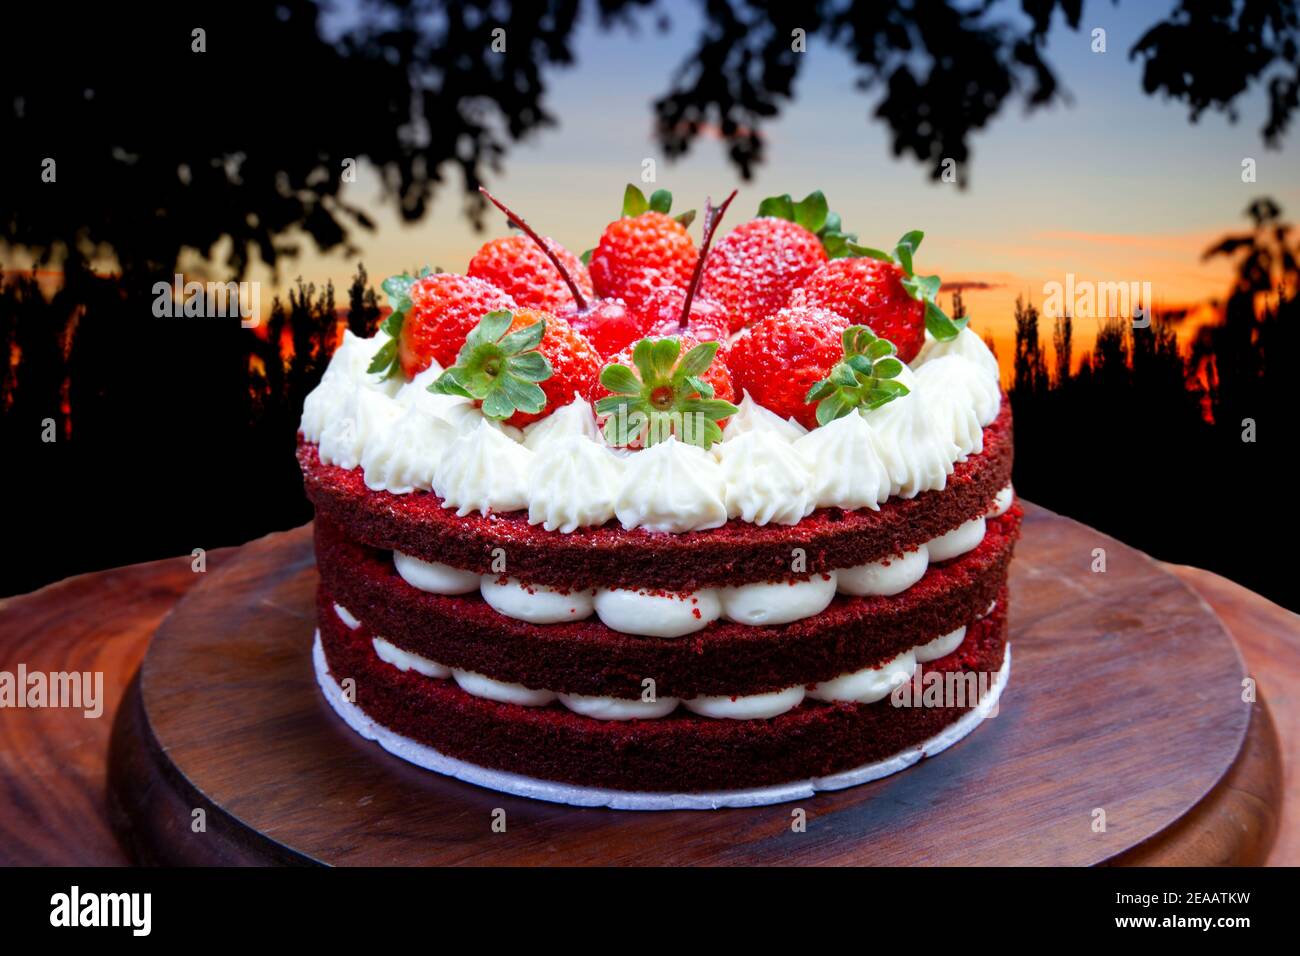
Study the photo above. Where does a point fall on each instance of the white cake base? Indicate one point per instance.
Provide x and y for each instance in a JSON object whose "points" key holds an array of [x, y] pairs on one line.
{"points": [[521, 786]]}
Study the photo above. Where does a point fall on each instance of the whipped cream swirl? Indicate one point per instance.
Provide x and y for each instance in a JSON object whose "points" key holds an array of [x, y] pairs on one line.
{"points": [[766, 470]]}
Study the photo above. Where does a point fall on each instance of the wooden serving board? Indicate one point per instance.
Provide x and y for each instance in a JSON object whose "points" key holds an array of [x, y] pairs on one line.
{"points": [[1125, 703]]}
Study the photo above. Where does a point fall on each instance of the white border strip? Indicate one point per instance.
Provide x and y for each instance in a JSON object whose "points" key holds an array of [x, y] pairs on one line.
{"points": [[578, 796]]}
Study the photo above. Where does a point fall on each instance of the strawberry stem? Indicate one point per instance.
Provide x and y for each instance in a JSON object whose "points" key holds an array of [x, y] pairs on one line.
{"points": [[712, 216], [578, 300]]}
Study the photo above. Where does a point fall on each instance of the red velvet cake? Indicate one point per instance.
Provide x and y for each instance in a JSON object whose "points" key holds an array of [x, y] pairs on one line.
{"points": [[699, 528]]}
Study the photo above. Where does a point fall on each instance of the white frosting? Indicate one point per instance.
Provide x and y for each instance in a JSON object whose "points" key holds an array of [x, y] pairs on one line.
{"points": [[466, 417], [754, 417], [573, 482], [848, 471], [989, 610], [345, 373], [1002, 502], [963, 538], [479, 685], [766, 479], [484, 470], [886, 577], [918, 455], [617, 708], [765, 470], [403, 458], [967, 344], [536, 603], [671, 486], [341, 442], [747, 706], [416, 391], [576, 418], [941, 646], [657, 614], [434, 577], [967, 384], [406, 661], [869, 684], [947, 396], [779, 602], [346, 617]]}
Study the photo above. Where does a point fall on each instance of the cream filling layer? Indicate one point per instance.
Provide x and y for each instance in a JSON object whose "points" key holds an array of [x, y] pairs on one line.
{"points": [[864, 686], [674, 614], [657, 613], [871, 683], [963, 538], [434, 577], [536, 603]]}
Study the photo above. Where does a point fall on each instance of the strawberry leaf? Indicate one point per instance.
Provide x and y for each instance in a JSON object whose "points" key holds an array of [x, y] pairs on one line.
{"points": [[939, 325], [385, 360], [697, 360], [661, 200], [499, 368], [634, 201], [863, 379], [664, 394], [620, 380], [811, 212], [398, 291], [778, 207]]}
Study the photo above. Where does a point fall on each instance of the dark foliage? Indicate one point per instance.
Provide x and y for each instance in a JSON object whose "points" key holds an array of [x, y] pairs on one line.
{"points": [[172, 434], [162, 150], [1176, 451]]}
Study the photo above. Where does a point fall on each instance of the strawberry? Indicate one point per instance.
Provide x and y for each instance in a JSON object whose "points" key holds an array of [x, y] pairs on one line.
{"points": [[516, 266], [869, 292], [518, 365], [778, 359], [608, 324], [759, 263], [652, 390], [643, 250], [707, 321], [879, 290], [670, 311], [436, 314]]}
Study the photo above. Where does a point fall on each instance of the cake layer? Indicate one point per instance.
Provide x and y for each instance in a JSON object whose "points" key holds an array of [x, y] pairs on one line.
{"points": [[610, 556], [680, 752], [586, 657]]}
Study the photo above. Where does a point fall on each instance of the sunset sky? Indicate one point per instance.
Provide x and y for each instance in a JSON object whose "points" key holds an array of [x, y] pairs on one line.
{"points": [[1116, 186]]}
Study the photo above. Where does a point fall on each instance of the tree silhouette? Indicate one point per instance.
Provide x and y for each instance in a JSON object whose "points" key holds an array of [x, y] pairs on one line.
{"points": [[161, 152], [1244, 42], [1165, 448], [167, 142], [363, 305]]}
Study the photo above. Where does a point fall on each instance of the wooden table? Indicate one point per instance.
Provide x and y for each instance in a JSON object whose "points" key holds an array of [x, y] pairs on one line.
{"points": [[52, 762]]}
